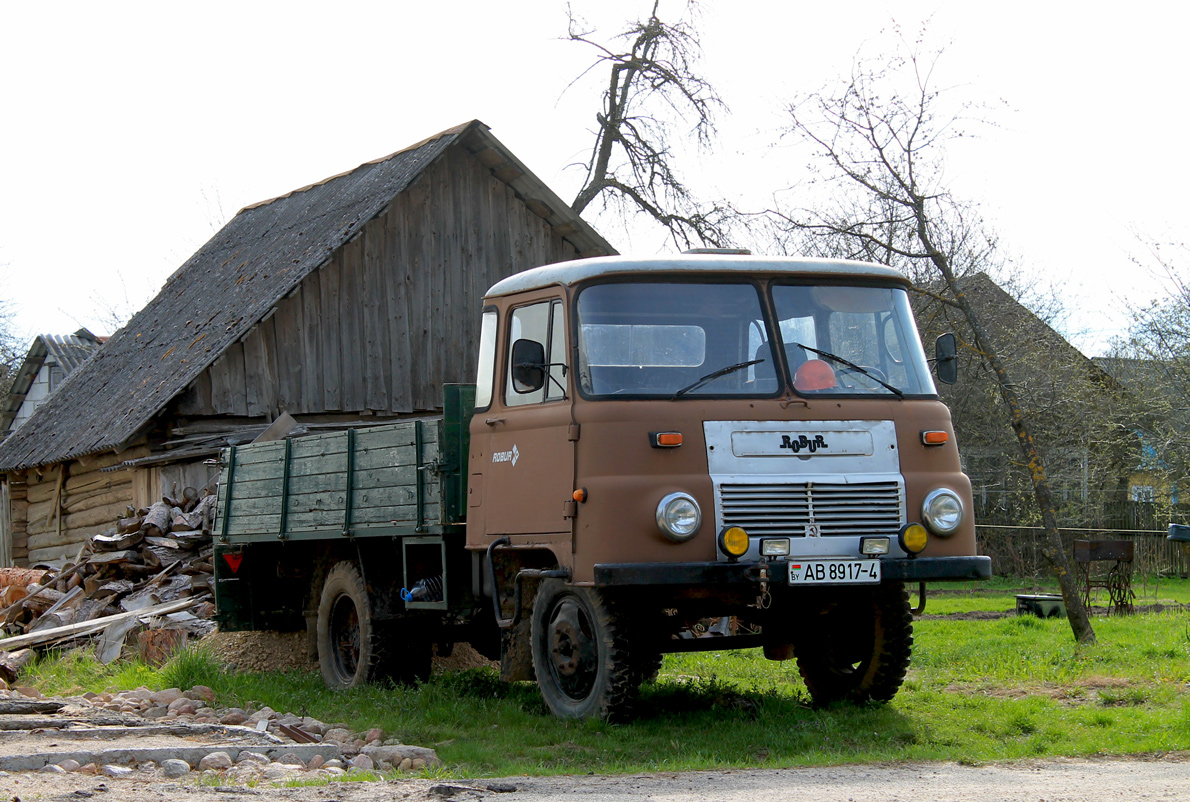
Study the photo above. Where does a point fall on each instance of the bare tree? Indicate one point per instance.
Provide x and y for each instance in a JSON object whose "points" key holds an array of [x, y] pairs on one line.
{"points": [[880, 141], [654, 87]]}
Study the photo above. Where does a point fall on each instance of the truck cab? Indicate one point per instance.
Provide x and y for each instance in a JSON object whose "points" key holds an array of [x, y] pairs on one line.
{"points": [[751, 444]]}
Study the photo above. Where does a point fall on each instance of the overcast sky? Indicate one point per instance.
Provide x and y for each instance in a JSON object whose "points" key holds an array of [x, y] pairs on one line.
{"points": [[132, 132]]}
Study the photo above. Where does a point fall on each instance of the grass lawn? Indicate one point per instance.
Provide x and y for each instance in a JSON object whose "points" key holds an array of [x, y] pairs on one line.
{"points": [[978, 690]]}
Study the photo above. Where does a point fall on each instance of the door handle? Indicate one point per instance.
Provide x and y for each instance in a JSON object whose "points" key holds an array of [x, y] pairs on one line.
{"points": [[493, 421]]}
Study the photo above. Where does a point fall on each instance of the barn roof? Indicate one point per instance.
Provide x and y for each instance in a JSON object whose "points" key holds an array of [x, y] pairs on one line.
{"points": [[233, 281]]}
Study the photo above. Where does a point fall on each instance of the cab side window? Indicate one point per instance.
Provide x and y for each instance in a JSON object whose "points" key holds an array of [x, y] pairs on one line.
{"points": [[542, 323]]}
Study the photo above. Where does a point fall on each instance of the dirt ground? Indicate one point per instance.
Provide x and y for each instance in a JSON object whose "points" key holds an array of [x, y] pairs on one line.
{"points": [[288, 651], [1154, 777]]}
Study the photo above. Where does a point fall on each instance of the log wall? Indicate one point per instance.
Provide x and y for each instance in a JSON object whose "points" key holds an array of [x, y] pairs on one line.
{"points": [[64, 504], [394, 314]]}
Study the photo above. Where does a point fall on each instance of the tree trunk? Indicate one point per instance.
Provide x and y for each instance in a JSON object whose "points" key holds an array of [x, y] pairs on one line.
{"points": [[1053, 551]]}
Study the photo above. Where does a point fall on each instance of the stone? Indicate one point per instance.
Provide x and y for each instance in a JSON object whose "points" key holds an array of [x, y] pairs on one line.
{"points": [[290, 720], [90, 768], [182, 707], [291, 760], [116, 772], [175, 768], [32, 693], [216, 761], [156, 712], [358, 744], [314, 726], [398, 753], [332, 771], [333, 763], [205, 712], [253, 757], [374, 734], [233, 718], [418, 764], [200, 693], [264, 714], [276, 771], [405, 765], [50, 768], [338, 735], [69, 765], [168, 696], [316, 762], [363, 763]]}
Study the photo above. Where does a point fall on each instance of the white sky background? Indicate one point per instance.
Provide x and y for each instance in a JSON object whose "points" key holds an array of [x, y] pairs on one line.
{"points": [[131, 132]]}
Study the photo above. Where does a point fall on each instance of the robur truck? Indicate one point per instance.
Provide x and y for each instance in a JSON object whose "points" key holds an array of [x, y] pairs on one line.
{"points": [[710, 451]]}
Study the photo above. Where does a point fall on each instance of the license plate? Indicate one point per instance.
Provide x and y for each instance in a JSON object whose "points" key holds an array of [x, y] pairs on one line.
{"points": [[834, 572]]}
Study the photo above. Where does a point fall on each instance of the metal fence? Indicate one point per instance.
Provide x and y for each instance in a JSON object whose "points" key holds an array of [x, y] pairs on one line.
{"points": [[1009, 533]]}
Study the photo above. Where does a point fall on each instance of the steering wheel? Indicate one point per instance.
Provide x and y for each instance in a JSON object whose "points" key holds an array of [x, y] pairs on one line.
{"points": [[865, 372]]}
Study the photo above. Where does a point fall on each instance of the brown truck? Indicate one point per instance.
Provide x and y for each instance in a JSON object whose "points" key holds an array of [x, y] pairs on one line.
{"points": [[710, 451]]}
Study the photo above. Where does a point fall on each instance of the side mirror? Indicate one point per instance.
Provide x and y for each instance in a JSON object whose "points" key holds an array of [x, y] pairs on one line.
{"points": [[528, 366], [946, 361]]}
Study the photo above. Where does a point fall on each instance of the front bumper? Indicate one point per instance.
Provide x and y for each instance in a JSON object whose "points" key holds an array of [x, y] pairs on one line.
{"points": [[915, 569]]}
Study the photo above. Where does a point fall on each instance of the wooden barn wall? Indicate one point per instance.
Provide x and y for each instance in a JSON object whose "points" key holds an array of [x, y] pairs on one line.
{"points": [[67, 503], [395, 313]]}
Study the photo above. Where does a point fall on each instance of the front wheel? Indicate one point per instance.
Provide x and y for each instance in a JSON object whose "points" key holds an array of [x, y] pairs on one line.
{"points": [[580, 654], [857, 647]]}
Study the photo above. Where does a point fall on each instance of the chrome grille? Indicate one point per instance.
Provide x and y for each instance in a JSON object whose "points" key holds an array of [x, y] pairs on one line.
{"points": [[871, 508]]}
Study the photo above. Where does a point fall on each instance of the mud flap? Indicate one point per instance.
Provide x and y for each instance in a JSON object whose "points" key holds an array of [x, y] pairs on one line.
{"points": [[516, 652]]}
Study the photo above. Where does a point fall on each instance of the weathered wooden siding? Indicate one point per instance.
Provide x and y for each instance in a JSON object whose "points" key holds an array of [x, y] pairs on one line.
{"points": [[395, 313], [69, 502]]}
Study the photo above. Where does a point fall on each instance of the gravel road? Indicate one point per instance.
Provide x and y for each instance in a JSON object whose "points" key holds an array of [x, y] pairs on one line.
{"points": [[1165, 777]]}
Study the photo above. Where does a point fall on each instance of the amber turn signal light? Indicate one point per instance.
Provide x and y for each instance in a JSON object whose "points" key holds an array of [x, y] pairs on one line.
{"points": [[665, 439], [934, 438], [734, 542], [580, 495], [913, 538]]}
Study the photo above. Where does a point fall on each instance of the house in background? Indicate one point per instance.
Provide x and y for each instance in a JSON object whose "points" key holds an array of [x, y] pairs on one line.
{"points": [[347, 302], [50, 358], [1073, 407]]}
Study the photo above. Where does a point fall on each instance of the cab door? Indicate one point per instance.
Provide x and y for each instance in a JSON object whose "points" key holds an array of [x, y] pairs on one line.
{"points": [[522, 457]]}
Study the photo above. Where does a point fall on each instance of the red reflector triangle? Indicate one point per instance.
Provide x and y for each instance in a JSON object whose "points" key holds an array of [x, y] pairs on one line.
{"points": [[233, 561]]}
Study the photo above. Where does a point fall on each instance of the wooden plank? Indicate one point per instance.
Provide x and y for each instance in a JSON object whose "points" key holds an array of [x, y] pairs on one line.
{"points": [[397, 232], [350, 290], [312, 323], [377, 360], [267, 331], [258, 381], [421, 224], [94, 625], [196, 400], [332, 334], [235, 364], [221, 386], [287, 325]]}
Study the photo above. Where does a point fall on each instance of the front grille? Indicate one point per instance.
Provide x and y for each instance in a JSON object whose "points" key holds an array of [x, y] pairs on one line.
{"points": [[870, 508]]}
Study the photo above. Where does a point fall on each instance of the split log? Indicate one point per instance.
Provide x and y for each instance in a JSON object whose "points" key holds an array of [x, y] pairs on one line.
{"points": [[11, 663], [156, 521], [20, 577], [18, 707]]}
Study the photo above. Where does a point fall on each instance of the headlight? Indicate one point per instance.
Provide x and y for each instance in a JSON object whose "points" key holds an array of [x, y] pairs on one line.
{"points": [[942, 511], [678, 517]]}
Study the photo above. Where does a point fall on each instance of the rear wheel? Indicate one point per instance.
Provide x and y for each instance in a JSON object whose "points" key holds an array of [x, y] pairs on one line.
{"points": [[858, 647], [354, 648], [580, 654]]}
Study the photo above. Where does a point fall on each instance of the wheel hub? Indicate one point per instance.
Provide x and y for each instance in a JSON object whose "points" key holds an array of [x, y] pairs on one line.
{"points": [[573, 651]]}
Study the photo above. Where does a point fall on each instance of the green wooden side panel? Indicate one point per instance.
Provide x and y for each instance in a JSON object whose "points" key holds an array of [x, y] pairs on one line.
{"points": [[409, 475]]}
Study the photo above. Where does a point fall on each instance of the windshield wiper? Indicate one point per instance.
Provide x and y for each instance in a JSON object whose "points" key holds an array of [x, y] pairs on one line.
{"points": [[854, 366], [715, 375]]}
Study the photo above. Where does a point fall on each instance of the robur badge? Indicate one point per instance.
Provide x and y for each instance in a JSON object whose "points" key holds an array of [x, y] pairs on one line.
{"points": [[507, 456], [803, 443]]}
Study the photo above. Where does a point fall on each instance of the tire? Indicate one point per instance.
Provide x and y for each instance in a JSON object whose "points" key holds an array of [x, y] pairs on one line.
{"points": [[858, 647], [581, 654], [354, 648]]}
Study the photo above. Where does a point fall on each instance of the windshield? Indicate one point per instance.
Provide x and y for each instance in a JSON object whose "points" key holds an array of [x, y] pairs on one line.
{"points": [[851, 340], [684, 340], [665, 339]]}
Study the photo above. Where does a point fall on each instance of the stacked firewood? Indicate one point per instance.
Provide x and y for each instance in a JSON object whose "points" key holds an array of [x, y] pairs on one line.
{"points": [[150, 558]]}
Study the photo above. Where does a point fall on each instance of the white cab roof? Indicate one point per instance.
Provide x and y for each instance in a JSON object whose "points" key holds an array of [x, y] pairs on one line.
{"points": [[565, 273]]}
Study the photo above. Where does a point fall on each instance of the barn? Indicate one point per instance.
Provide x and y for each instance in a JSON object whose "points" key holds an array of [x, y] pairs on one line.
{"points": [[344, 303]]}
